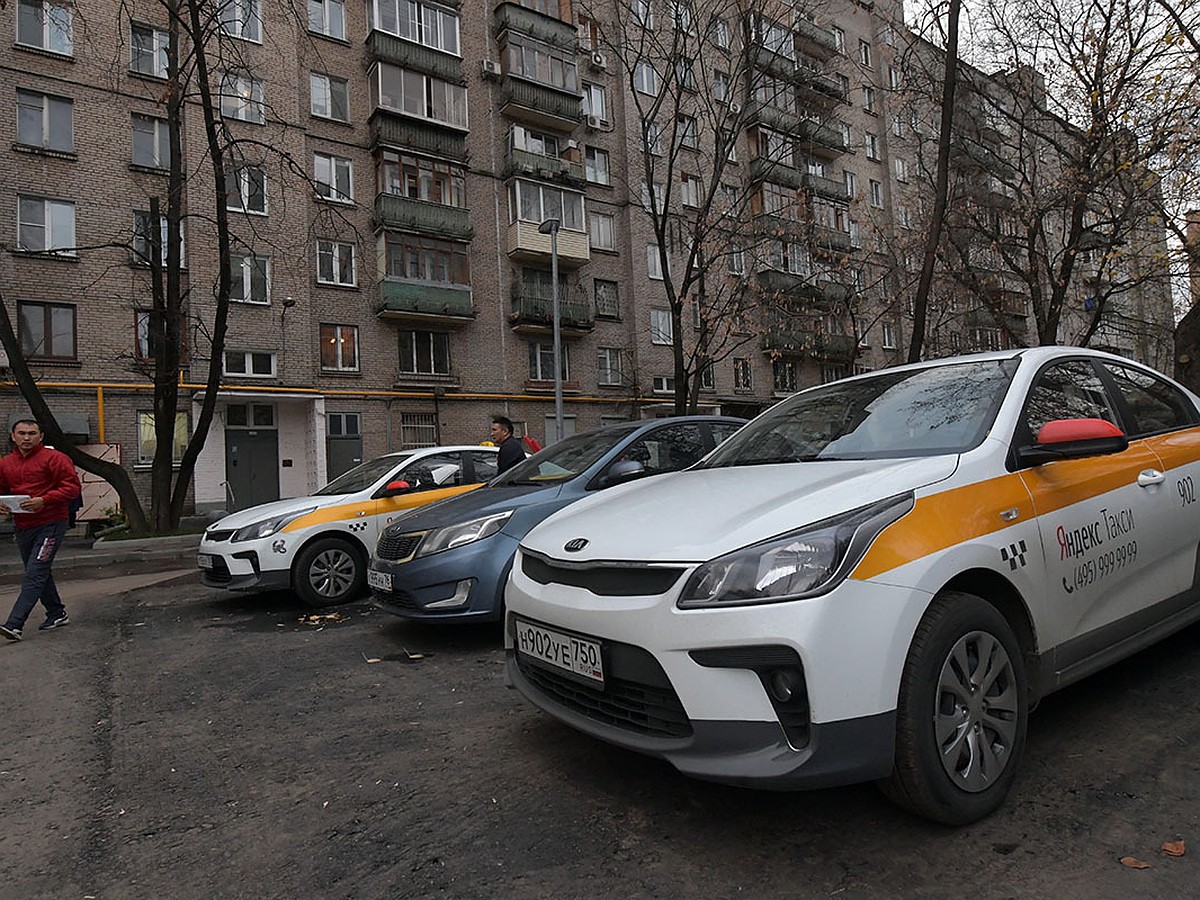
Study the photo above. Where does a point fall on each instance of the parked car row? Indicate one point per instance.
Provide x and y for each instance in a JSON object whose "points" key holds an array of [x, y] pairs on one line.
{"points": [[875, 579]]}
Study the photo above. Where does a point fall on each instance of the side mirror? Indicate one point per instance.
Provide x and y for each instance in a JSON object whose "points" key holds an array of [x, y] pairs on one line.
{"points": [[622, 470], [1073, 439], [392, 488]]}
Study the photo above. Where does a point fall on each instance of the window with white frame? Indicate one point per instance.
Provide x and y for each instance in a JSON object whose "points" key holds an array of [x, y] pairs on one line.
{"points": [[893, 78], [143, 345], [839, 38], [721, 86], [542, 143], [143, 233], [645, 79], [690, 190], [833, 373], [148, 437], [688, 132], [329, 97], [864, 53], [661, 329], [541, 362], [708, 377], [776, 37], [608, 299], [45, 225], [737, 261], [250, 278], [242, 19], [151, 142], [544, 63], [685, 73], [246, 189], [242, 98], [870, 101], [654, 267], [148, 47], [424, 352], [876, 192], [871, 145], [847, 134], [433, 180], [850, 180], [250, 363], [46, 330], [595, 101], [335, 263], [530, 201], [788, 256], [901, 166], [339, 348], [779, 200], [889, 336], [418, 94], [45, 121], [333, 177], [681, 15], [898, 126], [652, 137], [721, 33], [422, 23], [643, 13], [608, 366], [743, 374], [595, 165], [663, 384], [327, 17], [45, 24], [600, 231], [904, 216]]}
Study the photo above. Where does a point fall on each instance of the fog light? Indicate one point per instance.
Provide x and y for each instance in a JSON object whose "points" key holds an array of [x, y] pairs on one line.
{"points": [[783, 684]]}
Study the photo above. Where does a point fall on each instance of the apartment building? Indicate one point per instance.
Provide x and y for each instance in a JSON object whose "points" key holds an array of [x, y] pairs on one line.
{"points": [[393, 169]]}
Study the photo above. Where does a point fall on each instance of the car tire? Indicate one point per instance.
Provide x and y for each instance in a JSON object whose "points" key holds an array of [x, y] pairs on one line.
{"points": [[328, 571], [962, 713]]}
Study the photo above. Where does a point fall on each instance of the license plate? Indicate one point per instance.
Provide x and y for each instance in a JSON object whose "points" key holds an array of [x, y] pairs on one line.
{"points": [[564, 651], [204, 560], [379, 580]]}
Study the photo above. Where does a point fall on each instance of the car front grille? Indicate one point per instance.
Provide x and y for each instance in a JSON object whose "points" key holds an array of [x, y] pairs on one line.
{"points": [[220, 571], [222, 535], [398, 547], [637, 696], [602, 579], [395, 599]]}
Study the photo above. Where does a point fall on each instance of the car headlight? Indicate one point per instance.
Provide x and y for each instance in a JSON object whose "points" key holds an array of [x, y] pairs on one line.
{"points": [[268, 527], [803, 563], [450, 536]]}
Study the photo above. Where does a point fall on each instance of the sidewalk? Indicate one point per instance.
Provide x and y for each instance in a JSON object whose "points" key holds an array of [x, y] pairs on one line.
{"points": [[82, 557]]}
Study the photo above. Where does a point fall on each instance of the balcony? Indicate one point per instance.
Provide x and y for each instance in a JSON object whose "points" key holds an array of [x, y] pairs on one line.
{"points": [[832, 347], [763, 169], [387, 48], [422, 302], [524, 243], [539, 104], [804, 291], [410, 133], [535, 314], [813, 39], [551, 168], [827, 187], [769, 225], [789, 340], [514, 17], [787, 121], [821, 88], [832, 238], [395, 211], [821, 140]]}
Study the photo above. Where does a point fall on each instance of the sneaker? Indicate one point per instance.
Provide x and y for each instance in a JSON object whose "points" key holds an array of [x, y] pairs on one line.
{"points": [[51, 622], [13, 634]]}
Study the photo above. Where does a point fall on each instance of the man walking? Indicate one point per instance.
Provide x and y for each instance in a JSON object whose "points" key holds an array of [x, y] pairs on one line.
{"points": [[48, 482], [510, 448]]}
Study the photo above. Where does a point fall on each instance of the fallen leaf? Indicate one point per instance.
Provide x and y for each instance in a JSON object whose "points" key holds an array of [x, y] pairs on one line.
{"points": [[1132, 862], [1173, 848]]}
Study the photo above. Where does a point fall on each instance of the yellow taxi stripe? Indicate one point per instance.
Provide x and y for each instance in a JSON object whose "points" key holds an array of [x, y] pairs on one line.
{"points": [[364, 508], [1179, 448]]}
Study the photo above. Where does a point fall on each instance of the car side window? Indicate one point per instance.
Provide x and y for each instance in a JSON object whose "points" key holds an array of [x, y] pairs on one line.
{"points": [[722, 431], [668, 449], [430, 472], [1067, 390], [484, 464], [1156, 405]]}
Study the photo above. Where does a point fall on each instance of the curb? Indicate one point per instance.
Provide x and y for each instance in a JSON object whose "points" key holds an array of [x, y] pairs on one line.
{"points": [[105, 559]]}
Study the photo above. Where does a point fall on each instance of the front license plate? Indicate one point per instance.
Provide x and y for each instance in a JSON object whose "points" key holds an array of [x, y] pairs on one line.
{"points": [[564, 651], [204, 560], [379, 580]]}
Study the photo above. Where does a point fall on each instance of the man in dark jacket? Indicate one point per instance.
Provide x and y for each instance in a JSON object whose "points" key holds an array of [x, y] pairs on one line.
{"points": [[47, 482], [510, 448]]}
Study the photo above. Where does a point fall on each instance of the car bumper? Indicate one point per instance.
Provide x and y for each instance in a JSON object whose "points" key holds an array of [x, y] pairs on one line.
{"points": [[241, 570]]}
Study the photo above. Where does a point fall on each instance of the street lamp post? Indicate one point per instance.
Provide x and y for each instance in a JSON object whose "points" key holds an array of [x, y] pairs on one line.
{"points": [[550, 227]]}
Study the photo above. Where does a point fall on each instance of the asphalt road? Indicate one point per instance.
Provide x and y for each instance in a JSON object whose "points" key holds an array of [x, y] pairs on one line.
{"points": [[178, 742]]}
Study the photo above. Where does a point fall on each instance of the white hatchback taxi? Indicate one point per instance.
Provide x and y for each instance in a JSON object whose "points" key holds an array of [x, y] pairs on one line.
{"points": [[876, 579], [318, 545]]}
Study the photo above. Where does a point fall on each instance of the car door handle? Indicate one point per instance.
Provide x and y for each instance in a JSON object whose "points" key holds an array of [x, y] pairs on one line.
{"points": [[1150, 477]]}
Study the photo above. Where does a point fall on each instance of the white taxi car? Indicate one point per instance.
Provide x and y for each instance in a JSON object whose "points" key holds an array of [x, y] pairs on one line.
{"points": [[318, 545], [876, 579]]}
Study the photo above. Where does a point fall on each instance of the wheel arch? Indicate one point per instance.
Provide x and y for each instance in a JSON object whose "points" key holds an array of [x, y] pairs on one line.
{"points": [[348, 537]]}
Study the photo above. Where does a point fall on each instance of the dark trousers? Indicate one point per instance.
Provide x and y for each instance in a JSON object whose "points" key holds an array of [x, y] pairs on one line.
{"points": [[38, 547]]}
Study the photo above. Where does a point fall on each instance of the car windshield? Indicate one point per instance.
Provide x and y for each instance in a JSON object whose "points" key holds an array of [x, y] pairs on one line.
{"points": [[362, 477], [918, 412], [567, 458]]}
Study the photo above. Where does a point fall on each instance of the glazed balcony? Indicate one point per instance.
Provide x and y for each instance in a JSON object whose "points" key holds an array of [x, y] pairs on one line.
{"points": [[524, 243], [540, 104], [551, 168], [522, 20], [409, 133], [422, 302], [396, 211], [382, 47]]}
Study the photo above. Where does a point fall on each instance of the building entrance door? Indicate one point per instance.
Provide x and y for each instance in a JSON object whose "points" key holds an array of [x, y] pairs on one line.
{"points": [[251, 466]]}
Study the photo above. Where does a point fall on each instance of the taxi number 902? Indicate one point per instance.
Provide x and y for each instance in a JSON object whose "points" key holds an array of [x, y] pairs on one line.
{"points": [[571, 654]]}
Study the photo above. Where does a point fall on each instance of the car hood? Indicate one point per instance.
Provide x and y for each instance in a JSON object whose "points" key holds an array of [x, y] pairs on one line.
{"points": [[474, 504], [249, 516], [699, 514]]}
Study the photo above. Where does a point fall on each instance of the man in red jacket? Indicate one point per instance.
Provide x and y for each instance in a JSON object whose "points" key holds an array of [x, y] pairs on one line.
{"points": [[48, 479]]}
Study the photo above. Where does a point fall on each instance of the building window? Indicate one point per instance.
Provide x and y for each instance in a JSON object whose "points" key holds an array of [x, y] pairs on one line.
{"points": [[737, 261], [143, 251], [242, 19], [645, 79], [335, 263], [651, 137], [430, 180], [45, 225], [540, 142], [249, 415], [543, 63], [143, 346], [420, 95], [661, 329], [424, 352], [334, 177], [608, 366], [595, 165], [600, 231], [541, 362], [327, 17], [414, 258], [250, 363], [44, 24], [418, 430], [148, 50], [343, 424], [864, 53], [870, 103], [690, 190], [654, 268], [242, 98], [250, 279], [708, 377], [148, 439], [788, 256], [893, 78], [889, 336], [45, 121], [151, 142], [876, 192], [608, 303], [339, 348], [783, 376], [422, 23], [688, 133], [901, 168], [743, 374], [595, 101], [904, 216], [643, 13], [246, 190], [329, 97], [839, 38], [663, 384], [898, 126], [46, 330], [851, 181], [530, 201], [721, 86], [833, 373], [721, 33], [871, 145]]}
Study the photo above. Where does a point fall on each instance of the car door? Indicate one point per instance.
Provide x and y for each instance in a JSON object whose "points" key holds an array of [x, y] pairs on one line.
{"points": [[669, 448], [430, 478], [1101, 520]]}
